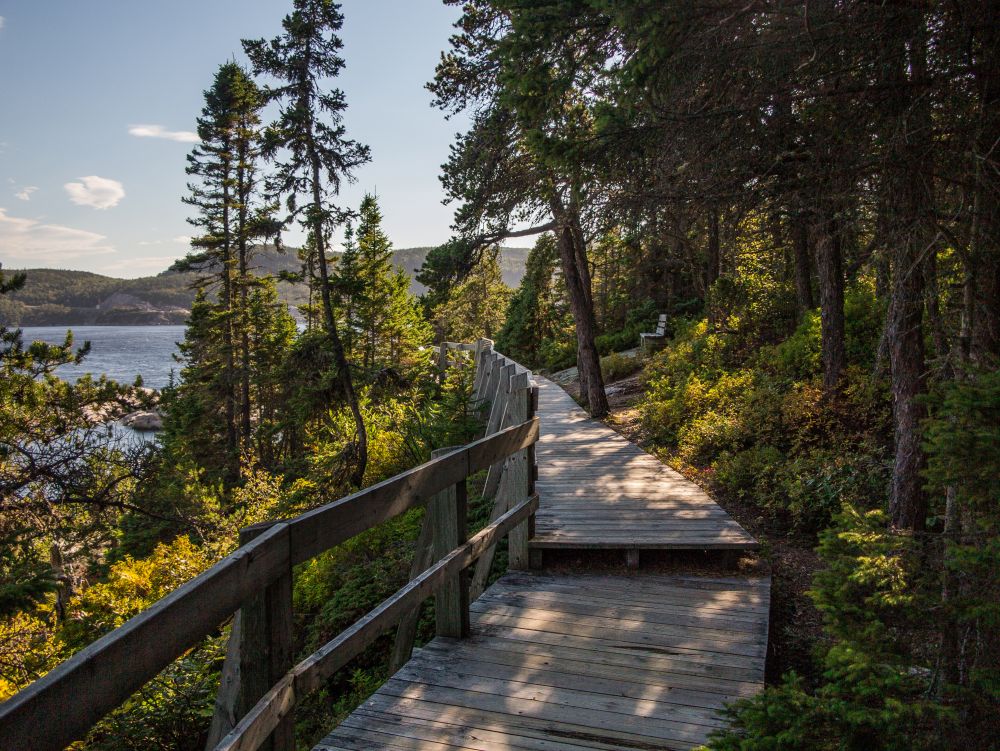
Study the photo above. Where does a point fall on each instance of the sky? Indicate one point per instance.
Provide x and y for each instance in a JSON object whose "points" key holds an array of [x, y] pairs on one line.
{"points": [[98, 102]]}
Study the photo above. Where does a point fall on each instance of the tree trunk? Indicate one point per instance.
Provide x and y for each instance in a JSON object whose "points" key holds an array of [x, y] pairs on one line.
{"points": [[339, 358], [244, 189], [803, 276], [588, 361], [228, 337], [830, 272], [910, 203], [714, 256], [985, 325]]}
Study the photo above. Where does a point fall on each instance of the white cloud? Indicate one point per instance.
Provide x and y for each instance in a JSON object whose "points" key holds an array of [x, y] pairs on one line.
{"points": [[1, 22], [181, 239], [30, 242], [99, 192], [25, 193], [158, 131]]}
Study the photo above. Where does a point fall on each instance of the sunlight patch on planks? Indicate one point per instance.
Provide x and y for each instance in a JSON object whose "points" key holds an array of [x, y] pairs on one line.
{"points": [[598, 490], [567, 662]]}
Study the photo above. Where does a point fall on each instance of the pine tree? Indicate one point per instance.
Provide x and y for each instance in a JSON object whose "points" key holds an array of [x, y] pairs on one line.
{"points": [[348, 288], [530, 317], [310, 150], [382, 318], [224, 164], [476, 307]]}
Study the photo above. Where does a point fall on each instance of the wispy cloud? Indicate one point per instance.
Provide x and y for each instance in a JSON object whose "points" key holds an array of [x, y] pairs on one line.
{"points": [[25, 193], [158, 131], [180, 239], [1, 22], [31, 242], [98, 192]]}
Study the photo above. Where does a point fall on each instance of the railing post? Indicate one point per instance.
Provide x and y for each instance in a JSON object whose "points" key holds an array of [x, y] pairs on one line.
{"points": [[442, 361], [521, 469], [483, 347], [266, 646], [448, 515]]}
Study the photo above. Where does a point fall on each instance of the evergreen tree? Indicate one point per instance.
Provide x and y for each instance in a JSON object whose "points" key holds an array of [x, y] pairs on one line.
{"points": [[476, 307], [225, 165], [311, 153], [382, 317], [531, 318]]}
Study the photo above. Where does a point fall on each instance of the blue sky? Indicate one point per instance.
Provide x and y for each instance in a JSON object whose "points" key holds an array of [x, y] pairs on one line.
{"points": [[98, 98]]}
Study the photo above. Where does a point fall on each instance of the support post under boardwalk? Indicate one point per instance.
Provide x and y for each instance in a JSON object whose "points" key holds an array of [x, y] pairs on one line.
{"points": [[448, 514], [266, 647]]}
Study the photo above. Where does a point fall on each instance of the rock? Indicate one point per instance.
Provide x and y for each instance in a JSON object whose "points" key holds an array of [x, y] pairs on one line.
{"points": [[143, 420]]}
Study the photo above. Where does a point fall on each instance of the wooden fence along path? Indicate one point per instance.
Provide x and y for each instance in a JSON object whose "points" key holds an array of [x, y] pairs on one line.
{"points": [[545, 661]]}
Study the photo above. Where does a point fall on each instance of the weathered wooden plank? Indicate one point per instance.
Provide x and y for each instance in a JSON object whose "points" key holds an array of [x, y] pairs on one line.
{"points": [[406, 631], [502, 727], [464, 735], [619, 723], [579, 697], [520, 470], [551, 724], [578, 659], [581, 677], [448, 513]]}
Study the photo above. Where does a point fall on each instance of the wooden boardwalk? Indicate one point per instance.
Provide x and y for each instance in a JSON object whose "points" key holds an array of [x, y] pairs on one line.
{"points": [[564, 662], [598, 490]]}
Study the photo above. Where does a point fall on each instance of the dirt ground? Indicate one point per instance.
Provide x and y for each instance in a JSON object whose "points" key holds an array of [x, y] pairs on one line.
{"points": [[796, 625]]}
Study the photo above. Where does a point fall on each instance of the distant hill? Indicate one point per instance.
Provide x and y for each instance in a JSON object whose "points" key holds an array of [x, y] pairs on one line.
{"points": [[56, 297], [512, 262]]}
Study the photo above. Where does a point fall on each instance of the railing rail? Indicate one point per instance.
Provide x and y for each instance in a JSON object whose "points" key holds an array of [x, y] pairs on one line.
{"points": [[255, 579]]}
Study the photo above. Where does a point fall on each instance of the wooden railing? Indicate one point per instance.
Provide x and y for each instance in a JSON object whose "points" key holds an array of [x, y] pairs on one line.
{"points": [[260, 687]]}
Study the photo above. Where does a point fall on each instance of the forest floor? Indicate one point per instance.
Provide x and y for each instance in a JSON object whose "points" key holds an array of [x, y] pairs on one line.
{"points": [[796, 625]]}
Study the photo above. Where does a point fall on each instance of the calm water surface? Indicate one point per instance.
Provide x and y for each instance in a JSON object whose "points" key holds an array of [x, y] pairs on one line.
{"points": [[119, 352]]}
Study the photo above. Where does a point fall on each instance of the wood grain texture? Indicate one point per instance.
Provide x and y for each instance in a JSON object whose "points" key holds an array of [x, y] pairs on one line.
{"points": [[543, 670], [599, 491]]}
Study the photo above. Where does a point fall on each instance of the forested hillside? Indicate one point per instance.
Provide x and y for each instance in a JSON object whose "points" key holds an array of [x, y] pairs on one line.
{"points": [[810, 192], [56, 297]]}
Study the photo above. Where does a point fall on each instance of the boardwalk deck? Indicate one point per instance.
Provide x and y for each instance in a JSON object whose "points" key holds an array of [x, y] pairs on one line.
{"points": [[598, 490], [566, 662]]}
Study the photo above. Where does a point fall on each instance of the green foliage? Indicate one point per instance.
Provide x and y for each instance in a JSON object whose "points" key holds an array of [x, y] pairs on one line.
{"points": [[383, 323], [863, 706], [475, 308], [616, 366], [531, 317], [756, 422]]}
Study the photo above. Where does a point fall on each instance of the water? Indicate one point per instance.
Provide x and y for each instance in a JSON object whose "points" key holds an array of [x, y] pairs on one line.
{"points": [[119, 352]]}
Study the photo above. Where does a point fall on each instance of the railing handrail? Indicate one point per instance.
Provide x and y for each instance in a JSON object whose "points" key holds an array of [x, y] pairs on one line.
{"points": [[63, 705], [251, 731]]}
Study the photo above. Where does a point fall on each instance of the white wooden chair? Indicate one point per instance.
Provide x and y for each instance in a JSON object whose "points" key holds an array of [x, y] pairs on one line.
{"points": [[650, 341]]}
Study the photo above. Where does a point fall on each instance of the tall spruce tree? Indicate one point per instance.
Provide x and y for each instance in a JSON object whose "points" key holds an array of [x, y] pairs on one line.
{"points": [[311, 152], [383, 319], [231, 220]]}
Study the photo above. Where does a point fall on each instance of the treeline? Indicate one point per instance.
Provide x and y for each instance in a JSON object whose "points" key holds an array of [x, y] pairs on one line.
{"points": [[811, 191]]}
